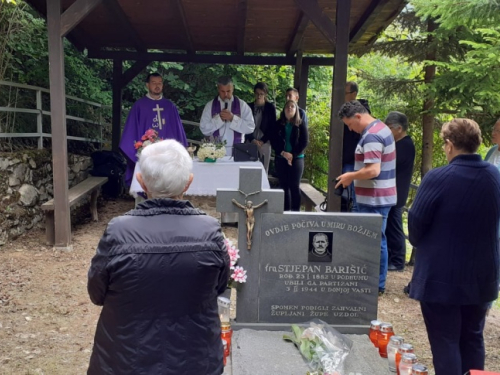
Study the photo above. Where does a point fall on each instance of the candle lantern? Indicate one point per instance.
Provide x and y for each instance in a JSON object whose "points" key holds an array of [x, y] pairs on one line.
{"points": [[224, 305], [407, 362], [403, 349], [384, 335], [392, 349], [374, 329], [419, 369]]}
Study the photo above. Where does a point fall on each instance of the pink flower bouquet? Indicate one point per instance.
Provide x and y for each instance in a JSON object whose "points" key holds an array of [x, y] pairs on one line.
{"points": [[238, 273], [151, 136]]}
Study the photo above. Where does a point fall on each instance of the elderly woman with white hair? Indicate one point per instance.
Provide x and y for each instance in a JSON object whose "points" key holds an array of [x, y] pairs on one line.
{"points": [[157, 273]]}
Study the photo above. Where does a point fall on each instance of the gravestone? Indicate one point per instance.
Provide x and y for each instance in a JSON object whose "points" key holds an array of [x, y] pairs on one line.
{"points": [[304, 265], [250, 188]]}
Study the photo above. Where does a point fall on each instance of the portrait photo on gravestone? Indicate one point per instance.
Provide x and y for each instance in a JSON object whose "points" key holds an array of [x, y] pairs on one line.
{"points": [[320, 246]]}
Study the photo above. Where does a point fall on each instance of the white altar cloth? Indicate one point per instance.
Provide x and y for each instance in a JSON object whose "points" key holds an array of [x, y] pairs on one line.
{"points": [[208, 177]]}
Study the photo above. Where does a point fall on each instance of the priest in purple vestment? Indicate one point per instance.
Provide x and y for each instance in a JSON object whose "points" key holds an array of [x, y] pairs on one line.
{"points": [[226, 116], [152, 111]]}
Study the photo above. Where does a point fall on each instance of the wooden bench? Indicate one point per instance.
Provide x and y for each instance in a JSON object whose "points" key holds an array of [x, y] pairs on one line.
{"points": [[75, 194], [310, 197]]}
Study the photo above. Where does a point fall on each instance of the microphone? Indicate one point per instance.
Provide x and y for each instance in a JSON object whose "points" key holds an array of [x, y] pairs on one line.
{"points": [[226, 102]]}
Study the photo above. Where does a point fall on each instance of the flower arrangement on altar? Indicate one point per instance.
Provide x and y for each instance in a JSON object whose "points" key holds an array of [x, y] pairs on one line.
{"points": [[151, 136], [238, 273], [212, 150]]}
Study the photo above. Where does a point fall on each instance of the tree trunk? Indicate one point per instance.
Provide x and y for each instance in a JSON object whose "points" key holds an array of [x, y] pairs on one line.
{"points": [[428, 117]]}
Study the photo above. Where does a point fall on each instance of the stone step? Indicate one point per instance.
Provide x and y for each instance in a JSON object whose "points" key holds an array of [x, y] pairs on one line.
{"points": [[265, 352]]}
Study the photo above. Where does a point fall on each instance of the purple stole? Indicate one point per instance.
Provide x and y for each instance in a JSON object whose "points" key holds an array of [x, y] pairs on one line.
{"points": [[235, 110]]}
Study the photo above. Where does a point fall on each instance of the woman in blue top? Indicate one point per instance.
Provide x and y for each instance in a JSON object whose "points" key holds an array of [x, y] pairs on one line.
{"points": [[289, 140]]}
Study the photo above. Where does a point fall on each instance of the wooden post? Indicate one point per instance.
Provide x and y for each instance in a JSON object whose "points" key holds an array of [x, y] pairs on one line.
{"points": [[39, 118], [58, 120], [304, 78], [339, 79], [298, 70], [117, 104]]}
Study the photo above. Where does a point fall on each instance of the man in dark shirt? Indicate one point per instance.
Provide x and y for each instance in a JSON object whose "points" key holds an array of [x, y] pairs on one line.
{"points": [[405, 158], [351, 139], [293, 94]]}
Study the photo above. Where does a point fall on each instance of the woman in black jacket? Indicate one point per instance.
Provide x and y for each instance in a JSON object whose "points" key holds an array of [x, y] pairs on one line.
{"points": [[264, 114], [157, 273], [289, 140]]}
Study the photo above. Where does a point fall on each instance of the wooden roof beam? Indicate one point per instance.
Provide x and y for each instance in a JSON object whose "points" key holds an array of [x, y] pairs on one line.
{"points": [[189, 41], [208, 59], [242, 22], [366, 19], [117, 12], [76, 13], [298, 34], [318, 18]]}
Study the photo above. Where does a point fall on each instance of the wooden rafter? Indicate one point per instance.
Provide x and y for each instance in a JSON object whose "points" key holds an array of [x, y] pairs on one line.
{"points": [[298, 34], [189, 41], [389, 20], [242, 22], [117, 13], [318, 18], [366, 19], [75, 13], [132, 72]]}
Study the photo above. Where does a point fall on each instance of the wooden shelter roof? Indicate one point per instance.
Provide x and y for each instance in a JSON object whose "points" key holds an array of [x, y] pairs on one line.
{"points": [[194, 27]]}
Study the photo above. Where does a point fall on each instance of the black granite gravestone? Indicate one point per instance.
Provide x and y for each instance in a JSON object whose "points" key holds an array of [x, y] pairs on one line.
{"points": [[303, 266]]}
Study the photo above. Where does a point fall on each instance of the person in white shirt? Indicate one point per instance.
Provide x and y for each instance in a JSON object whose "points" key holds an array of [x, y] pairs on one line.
{"points": [[493, 155], [227, 117]]}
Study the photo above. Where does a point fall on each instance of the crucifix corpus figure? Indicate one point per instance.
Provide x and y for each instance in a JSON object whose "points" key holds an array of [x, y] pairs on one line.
{"points": [[248, 208]]}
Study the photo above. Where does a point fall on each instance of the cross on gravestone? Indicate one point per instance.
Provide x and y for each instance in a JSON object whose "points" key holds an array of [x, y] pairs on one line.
{"points": [[250, 188], [158, 111]]}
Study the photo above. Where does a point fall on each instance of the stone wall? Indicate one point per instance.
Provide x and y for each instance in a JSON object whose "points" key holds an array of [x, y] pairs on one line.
{"points": [[26, 183]]}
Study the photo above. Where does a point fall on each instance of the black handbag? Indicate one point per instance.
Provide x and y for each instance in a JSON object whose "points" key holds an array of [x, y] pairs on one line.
{"points": [[245, 152]]}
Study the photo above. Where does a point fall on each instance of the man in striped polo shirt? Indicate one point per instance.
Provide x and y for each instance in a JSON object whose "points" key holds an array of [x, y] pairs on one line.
{"points": [[374, 173]]}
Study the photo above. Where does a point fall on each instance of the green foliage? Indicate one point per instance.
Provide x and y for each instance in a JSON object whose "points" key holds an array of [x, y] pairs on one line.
{"points": [[471, 13]]}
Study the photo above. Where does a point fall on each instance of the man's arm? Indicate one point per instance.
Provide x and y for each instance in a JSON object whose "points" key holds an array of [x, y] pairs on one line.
{"points": [[209, 124], [245, 123], [368, 172]]}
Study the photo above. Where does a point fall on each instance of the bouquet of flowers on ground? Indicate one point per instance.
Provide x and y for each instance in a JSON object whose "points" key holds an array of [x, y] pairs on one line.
{"points": [[212, 149], [324, 348], [238, 274], [151, 136]]}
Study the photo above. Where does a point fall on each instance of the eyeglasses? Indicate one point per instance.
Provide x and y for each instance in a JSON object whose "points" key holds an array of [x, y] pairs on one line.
{"points": [[259, 94]]}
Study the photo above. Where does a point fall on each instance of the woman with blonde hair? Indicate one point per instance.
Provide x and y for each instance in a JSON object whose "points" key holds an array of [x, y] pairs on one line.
{"points": [[289, 140]]}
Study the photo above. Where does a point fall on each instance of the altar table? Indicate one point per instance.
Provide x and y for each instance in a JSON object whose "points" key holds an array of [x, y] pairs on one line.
{"points": [[208, 177]]}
